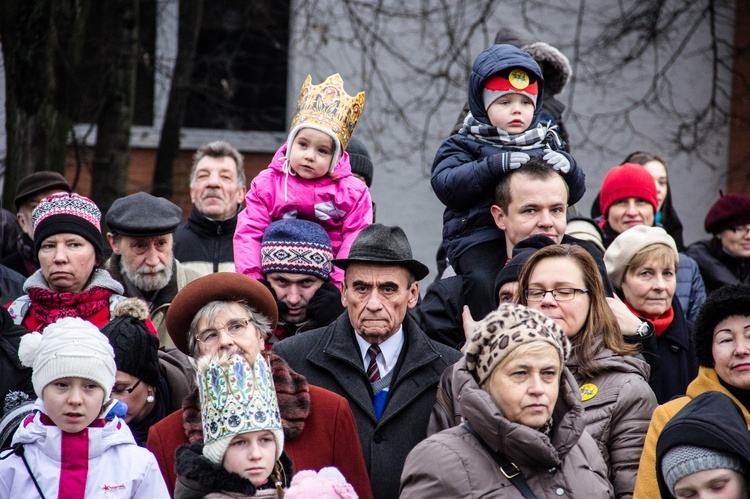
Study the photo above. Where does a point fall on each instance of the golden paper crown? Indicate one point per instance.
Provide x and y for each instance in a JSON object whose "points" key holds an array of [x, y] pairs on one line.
{"points": [[328, 106]]}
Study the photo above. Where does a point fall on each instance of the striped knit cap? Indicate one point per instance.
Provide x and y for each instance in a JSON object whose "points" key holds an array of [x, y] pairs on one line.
{"points": [[296, 246], [67, 213], [685, 460]]}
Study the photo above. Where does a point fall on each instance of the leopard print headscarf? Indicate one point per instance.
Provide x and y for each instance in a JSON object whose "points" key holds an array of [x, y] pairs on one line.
{"points": [[503, 330]]}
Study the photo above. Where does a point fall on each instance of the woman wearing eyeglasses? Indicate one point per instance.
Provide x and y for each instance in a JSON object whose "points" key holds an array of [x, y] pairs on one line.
{"points": [[562, 282], [234, 313], [151, 382], [641, 265]]}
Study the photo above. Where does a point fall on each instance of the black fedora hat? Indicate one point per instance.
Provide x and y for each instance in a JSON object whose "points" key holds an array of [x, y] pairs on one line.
{"points": [[378, 243]]}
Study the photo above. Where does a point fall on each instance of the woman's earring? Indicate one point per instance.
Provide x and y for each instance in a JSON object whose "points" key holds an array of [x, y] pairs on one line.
{"points": [[150, 399]]}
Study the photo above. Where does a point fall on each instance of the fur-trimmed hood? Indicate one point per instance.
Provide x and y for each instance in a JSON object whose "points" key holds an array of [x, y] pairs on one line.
{"points": [[556, 67], [198, 475]]}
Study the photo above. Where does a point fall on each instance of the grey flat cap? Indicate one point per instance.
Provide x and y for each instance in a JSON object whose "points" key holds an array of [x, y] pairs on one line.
{"points": [[143, 215], [379, 243]]}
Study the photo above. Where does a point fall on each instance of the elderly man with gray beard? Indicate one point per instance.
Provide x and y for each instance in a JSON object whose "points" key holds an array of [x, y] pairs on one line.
{"points": [[141, 235]]}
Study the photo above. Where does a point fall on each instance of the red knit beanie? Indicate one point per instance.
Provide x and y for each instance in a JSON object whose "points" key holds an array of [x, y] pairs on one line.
{"points": [[627, 181], [729, 211]]}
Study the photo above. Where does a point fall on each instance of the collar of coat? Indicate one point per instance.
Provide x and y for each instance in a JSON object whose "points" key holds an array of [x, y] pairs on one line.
{"points": [[419, 363], [292, 393], [203, 225], [521, 444]]}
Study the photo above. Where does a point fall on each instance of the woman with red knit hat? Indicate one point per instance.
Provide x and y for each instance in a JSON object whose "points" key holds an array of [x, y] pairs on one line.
{"points": [[725, 258], [628, 199]]}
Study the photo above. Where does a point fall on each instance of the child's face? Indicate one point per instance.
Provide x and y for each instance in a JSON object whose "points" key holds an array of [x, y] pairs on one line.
{"points": [[311, 153], [512, 113], [714, 484], [252, 456], [73, 403]]}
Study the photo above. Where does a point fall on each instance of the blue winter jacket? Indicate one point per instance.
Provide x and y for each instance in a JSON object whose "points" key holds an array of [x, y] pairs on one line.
{"points": [[464, 174]]}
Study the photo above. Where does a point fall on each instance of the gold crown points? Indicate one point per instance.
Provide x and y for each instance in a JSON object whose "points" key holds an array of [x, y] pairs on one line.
{"points": [[329, 106], [237, 398]]}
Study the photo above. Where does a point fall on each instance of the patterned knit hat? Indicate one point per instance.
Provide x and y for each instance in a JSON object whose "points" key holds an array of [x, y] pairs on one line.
{"points": [[67, 213], [505, 329], [136, 348], [510, 81], [685, 460], [731, 210], [627, 181], [70, 347], [297, 247], [236, 398]]}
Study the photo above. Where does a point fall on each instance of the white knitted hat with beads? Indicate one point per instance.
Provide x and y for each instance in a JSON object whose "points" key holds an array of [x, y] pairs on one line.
{"points": [[69, 348]]}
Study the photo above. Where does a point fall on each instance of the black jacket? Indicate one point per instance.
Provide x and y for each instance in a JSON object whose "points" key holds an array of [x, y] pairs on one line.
{"points": [[204, 244], [675, 356], [11, 285], [712, 421], [14, 376], [717, 266], [330, 358], [439, 312]]}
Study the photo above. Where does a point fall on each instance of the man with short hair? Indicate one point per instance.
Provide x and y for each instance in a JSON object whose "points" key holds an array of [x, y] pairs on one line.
{"points": [[375, 355], [296, 263], [141, 229], [29, 191], [530, 200], [217, 191]]}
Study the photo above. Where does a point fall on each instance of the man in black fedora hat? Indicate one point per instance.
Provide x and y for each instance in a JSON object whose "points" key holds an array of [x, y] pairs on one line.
{"points": [[375, 355]]}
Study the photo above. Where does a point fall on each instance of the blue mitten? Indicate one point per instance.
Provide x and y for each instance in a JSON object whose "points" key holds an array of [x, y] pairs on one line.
{"points": [[508, 161], [557, 161]]}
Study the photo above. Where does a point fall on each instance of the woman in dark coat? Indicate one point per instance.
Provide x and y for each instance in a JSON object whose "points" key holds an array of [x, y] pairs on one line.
{"points": [[152, 382]]}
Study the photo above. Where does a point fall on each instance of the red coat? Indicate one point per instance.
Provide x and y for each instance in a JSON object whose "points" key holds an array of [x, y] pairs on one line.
{"points": [[329, 438]]}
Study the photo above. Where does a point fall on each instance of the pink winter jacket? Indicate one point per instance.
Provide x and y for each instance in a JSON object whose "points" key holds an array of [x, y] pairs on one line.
{"points": [[339, 202]]}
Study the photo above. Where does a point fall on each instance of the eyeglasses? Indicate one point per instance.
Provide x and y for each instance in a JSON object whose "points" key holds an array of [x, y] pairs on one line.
{"points": [[742, 231], [233, 328], [122, 393], [559, 294]]}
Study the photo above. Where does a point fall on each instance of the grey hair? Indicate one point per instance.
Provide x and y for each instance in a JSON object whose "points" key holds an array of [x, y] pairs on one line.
{"points": [[212, 309], [219, 149]]}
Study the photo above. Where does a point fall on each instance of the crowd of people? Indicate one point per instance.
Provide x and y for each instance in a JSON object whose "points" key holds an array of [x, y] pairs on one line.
{"points": [[278, 343]]}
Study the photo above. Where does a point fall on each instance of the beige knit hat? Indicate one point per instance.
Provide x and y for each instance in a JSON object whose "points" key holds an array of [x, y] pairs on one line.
{"points": [[630, 243], [505, 329]]}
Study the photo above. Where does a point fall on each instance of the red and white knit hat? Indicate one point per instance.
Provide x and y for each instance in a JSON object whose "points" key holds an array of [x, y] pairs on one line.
{"points": [[67, 213], [517, 81]]}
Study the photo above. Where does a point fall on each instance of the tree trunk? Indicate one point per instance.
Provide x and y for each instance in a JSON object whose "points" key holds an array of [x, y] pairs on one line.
{"points": [[42, 44], [191, 13], [112, 151]]}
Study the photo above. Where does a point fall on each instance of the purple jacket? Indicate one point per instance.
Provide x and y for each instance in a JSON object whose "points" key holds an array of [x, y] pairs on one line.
{"points": [[339, 202]]}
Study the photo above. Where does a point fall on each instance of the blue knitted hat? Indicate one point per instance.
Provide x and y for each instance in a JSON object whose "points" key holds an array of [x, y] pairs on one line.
{"points": [[296, 246]]}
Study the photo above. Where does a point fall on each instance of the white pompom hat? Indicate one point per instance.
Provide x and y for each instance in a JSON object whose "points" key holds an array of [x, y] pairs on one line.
{"points": [[69, 348]]}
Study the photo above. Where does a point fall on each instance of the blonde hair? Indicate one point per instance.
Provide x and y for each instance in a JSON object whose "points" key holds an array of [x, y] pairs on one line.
{"points": [[659, 253]]}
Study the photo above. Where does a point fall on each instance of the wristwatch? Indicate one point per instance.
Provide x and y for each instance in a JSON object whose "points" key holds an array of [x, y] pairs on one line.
{"points": [[645, 330]]}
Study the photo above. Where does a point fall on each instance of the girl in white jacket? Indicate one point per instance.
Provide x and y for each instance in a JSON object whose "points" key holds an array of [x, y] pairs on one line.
{"points": [[75, 445]]}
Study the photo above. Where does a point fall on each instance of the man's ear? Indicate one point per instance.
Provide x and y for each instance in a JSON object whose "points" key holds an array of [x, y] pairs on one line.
{"points": [[498, 215], [413, 295], [343, 292], [113, 243]]}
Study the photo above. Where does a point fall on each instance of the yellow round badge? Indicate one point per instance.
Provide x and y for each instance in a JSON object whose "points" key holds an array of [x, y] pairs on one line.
{"points": [[519, 79], [588, 391]]}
